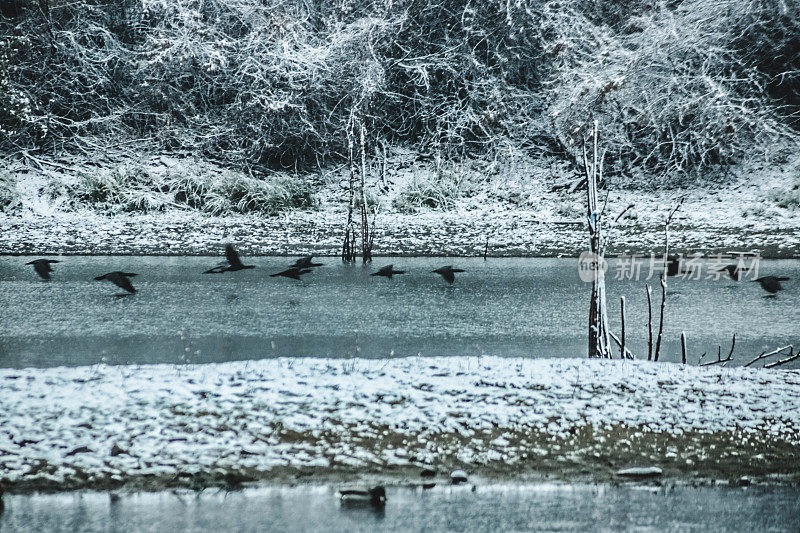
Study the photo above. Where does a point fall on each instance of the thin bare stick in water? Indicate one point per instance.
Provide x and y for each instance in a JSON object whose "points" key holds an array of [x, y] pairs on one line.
{"points": [[622, 319], [348, 247], [649, 324], [664, 278], [683, 347]]}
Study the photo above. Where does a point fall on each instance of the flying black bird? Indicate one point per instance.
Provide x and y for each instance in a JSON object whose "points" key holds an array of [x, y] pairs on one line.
{"points": [[376, 497], [120, 279], [306, 262], [734, 272], [387, 272], [42, 267], [448, 273], [674, 266], [293, 273], [771, 284], [232, 263]]}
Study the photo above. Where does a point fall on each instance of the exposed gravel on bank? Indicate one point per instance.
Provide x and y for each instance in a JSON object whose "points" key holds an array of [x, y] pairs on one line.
{"points": [[285, 419]]}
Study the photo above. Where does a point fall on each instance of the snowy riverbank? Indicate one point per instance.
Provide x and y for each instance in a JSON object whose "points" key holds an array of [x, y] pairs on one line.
{"points": [[523, 210], [509, 234], [299, 419]]}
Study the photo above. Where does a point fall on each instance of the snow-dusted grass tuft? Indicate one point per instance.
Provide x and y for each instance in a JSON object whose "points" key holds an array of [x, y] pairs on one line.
{"points": [[440, 190], [137, 188], [161, 425], [231, 192]]}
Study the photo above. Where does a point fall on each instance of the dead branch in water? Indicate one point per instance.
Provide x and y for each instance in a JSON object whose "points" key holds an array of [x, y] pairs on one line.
{"points": [[622, 327], [649, 324], [359, 150], [683, 347], [599, 338], [764, 355], [348, 247], [626, 353], [789, 359], [366, 238], [719, 354], [664, 278]]}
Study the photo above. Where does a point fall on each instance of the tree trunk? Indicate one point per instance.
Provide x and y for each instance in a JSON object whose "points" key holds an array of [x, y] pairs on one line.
{"points": [[599, 338]]}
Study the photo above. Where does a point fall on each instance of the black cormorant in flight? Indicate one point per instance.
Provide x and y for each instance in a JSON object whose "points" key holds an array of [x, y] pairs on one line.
{"points": [[42, 267], [387, 272], [120, 279], [293, 273], [448, 273], [232, 264], [771, 284]]}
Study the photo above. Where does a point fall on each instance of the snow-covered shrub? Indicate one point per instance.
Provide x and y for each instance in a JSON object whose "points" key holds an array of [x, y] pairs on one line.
{"points": [[8, 191], [675, 91], [681, 86]]}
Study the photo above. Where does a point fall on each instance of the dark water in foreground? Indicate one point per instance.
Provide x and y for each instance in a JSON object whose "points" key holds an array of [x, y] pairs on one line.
{"points": [[492, 508], [513, 307]]}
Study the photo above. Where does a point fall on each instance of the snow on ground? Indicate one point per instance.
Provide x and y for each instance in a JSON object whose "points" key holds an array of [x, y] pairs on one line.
{"points": [[457, 233], [514, 206], [98, 426]]}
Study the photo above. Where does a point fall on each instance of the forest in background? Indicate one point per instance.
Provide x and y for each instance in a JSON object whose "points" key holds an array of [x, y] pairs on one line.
{"points": [[682, 89]]}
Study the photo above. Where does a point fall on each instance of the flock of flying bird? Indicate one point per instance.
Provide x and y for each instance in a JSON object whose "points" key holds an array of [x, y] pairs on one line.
{"points": [[233, 263], [771, 284], [304, 265]]}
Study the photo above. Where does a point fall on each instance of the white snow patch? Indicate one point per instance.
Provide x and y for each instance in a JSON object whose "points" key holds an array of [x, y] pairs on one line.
{"points": [[312, 412]]}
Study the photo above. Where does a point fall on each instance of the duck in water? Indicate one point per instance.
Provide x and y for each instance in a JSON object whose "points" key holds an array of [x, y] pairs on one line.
{"points": [[387, 272], [375, 497], [231, 264], [120, 279], [448, 273], [42, 267]]}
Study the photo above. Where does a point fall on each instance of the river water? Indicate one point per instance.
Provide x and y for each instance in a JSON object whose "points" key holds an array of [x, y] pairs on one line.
{"points": [[511, 307], [540, 507]]}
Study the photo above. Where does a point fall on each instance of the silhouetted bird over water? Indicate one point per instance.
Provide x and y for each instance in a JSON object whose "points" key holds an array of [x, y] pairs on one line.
{"points": [[42, 267], [306, 262], [448, 273], [387, 272], [232, 264], [120, 279], [293, 273], [734, 272], [771, 284], [674, 266]]}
